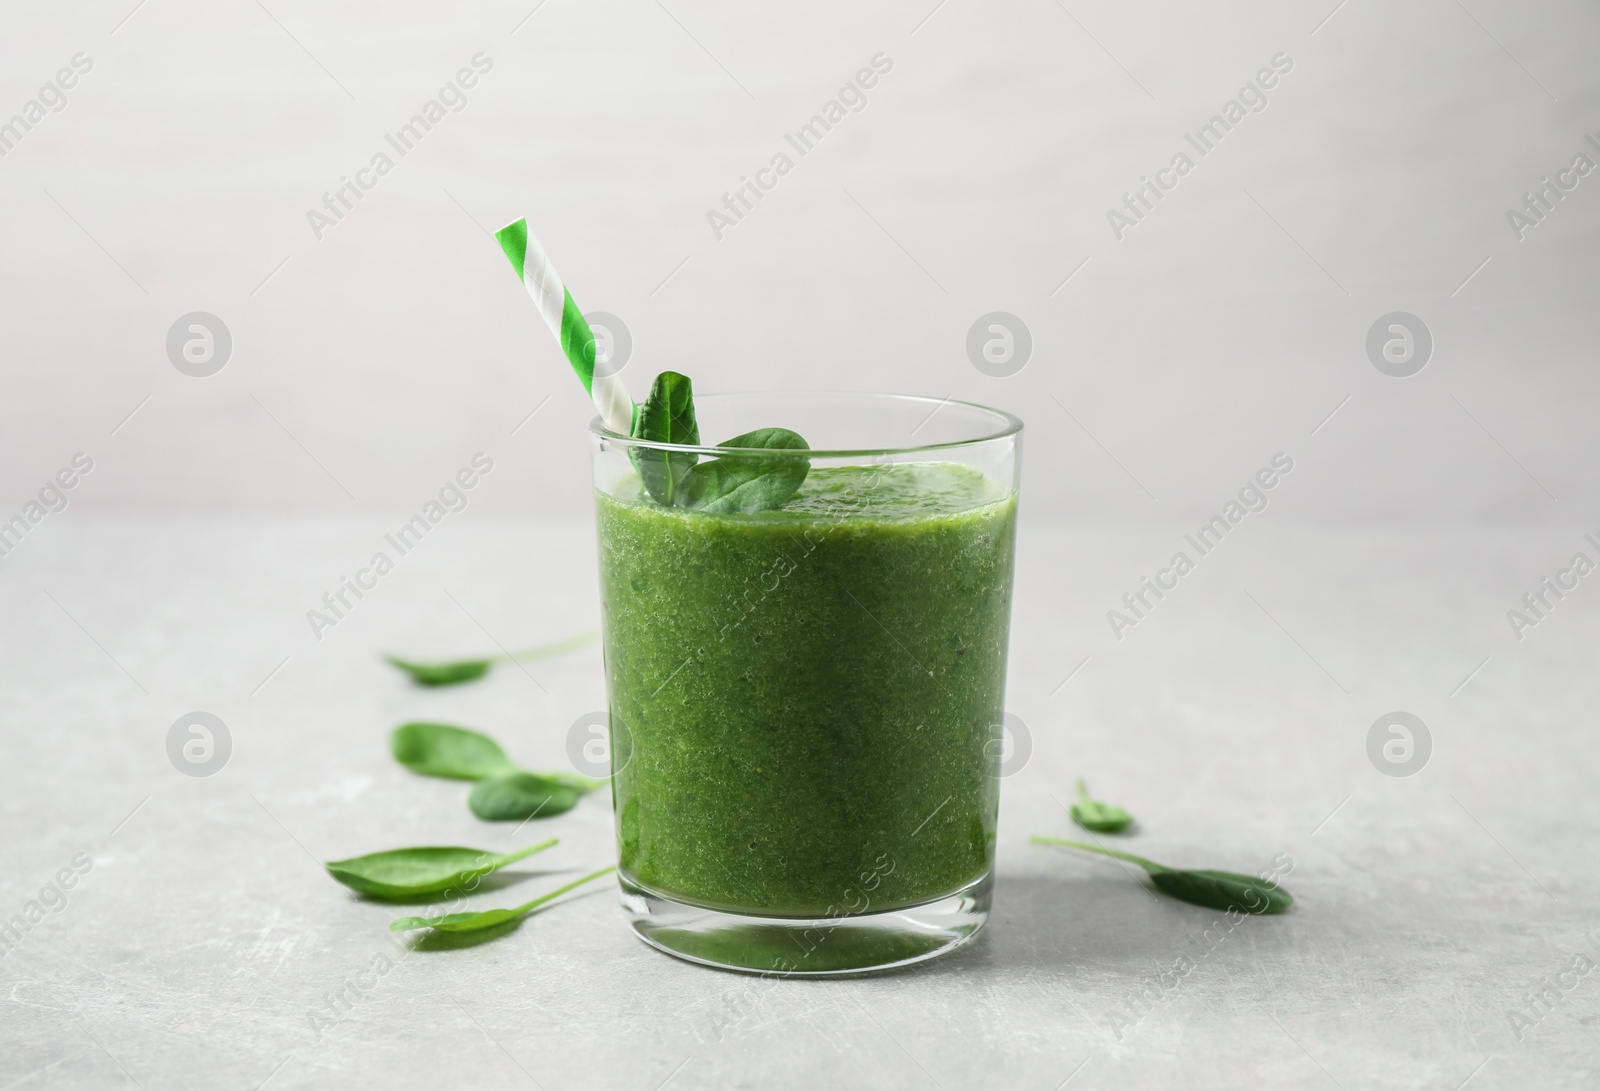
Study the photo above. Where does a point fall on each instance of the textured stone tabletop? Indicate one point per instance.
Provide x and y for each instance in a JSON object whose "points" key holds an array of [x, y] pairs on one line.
{"points": [[200, 945]]}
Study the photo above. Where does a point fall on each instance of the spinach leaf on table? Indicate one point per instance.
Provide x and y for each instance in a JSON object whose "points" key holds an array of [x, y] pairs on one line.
{"points": [[503, 792], [469, 670], [444, 750], [522, 795], [405, 873], [442, 674], [1098, 817], [489, 918], [1212, 889]]}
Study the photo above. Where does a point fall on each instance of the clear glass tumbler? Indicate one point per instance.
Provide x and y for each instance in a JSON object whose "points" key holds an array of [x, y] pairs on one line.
{"points": [[806, 702]]}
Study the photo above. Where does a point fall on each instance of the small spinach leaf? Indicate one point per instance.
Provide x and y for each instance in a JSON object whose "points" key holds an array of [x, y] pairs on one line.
{"points": [[443, 750], [749, 483], [456, 922], [488, 918], [404, 873], [522, 795], [1223, 890], [1098, 817], [469, 670], [443, 674], [667, 416], [1212, 889]]}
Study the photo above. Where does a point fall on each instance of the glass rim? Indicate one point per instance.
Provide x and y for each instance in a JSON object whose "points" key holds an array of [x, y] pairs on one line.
{"points": [[1010, 425]]}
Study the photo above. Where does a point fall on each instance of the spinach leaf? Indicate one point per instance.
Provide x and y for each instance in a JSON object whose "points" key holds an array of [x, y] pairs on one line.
{"points": [[442, 750], [749, 483], [1223, 890], [1098, 817], [1212, 889], [522, 795], [471, 922], [469, 670], [667, 416], [405, 873], [503, 791], [730, 484], [443, 674]]}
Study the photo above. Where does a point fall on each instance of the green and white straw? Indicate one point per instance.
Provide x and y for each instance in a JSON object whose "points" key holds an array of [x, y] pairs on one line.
{"points": [[561, 314]]}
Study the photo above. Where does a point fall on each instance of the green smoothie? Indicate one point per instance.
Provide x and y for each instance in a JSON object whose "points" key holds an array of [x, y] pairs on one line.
{"points": [[807, 700]]}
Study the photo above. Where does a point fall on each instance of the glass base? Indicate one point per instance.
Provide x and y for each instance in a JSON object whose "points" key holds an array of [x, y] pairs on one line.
{"points": [[802, 947]]}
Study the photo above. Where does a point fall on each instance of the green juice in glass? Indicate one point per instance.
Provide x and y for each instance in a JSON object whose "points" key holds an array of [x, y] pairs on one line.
{"points": [[806, 702]]}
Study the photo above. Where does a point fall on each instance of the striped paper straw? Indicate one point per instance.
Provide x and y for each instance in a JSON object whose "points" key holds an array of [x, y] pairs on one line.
{"points": [[561, 314]]}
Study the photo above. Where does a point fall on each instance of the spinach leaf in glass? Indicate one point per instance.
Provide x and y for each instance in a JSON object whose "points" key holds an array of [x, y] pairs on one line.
{"points": [[749, 483], [667, 416]]}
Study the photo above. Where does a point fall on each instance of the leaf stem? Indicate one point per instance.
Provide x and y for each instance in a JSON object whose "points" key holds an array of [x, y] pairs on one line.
{"points": [[554, 894], [545, 650], [1149, 865], [513, 857]]}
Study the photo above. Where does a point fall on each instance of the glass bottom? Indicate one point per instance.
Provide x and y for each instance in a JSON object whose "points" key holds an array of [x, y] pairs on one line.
{"points": [[801, 947]]}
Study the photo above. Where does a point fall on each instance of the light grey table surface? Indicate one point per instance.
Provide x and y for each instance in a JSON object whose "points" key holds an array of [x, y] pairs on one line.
{"points": [[201, 948]]}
